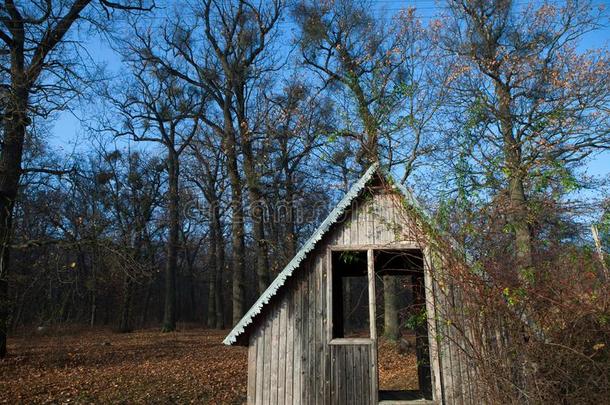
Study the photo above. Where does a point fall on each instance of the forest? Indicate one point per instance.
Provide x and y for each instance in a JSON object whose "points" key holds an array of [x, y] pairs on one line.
{"points": [[216, 135]]}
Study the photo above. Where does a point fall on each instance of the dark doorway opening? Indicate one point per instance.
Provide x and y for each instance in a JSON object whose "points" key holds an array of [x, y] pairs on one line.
{"points": [[403, 357]]}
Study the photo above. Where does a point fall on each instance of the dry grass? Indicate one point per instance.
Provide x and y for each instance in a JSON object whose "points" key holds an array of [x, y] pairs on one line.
{"points": [[190, 366]]}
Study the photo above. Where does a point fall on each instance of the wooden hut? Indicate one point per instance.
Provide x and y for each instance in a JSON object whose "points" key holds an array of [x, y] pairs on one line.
{"points": [[302, 346]]}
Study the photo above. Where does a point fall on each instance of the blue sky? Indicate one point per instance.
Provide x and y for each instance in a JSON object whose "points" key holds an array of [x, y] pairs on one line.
{"points": [[68, 135]]}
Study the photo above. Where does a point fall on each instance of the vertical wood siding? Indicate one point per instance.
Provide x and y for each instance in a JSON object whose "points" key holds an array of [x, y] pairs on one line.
{"points": [[290, 360]]}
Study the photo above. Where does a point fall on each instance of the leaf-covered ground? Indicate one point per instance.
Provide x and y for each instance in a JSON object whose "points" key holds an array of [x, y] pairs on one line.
{"points": [[397, 368], [190, 366]]}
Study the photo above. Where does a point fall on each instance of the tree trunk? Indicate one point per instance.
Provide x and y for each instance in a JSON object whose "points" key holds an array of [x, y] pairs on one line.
{"points": [[212, 290], [93, 312], [257, 203], [291, 243], [149, 288], [10, 173], [215, 313], [390, 307], [220, 264], [169, 315], [237, 219], [516, 191], [220, 317], [523, 237], [211, 318], [125, 321]]}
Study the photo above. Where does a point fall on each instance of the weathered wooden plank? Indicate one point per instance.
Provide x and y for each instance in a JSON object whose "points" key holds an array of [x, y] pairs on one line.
{"points": [[333, 375], [379, 220], [267, 361], [345, 224], [366, 374], [344, 376], [374, 223], [297, 339], [288, 396], [305, 371], [456, 358], [300, 342], [359, 373], [313, 295], [260, 363], [353, 226], [338, 382], [357, 362], [445, 346], [397, 213], [397, 218], [372, 311], [349, 371], [275, 339], [390, 218], [322, 337], [311, 334], [368, 236], [347, 375], [461, 345], [252, 369], [361, 224], [317, 344], [383, 206], [429, 284], [281, 373], [326, 334]]}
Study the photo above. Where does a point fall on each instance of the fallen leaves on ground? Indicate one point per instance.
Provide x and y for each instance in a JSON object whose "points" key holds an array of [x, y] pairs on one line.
{"points": [[148, 366], [397, 368]]}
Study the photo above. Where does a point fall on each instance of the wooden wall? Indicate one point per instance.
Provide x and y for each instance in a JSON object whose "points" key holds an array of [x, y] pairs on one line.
{"points": [[290, 359]]}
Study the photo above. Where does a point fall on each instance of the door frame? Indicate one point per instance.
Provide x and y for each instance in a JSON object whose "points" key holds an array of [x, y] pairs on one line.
{"points": [[372, 341]]}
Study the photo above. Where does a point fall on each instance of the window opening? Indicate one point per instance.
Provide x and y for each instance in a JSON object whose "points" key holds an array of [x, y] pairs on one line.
{"points": [[350, 295]]}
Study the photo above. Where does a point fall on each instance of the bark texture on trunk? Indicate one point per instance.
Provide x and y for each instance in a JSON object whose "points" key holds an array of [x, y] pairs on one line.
{"points": [[390, 307], [125, 319], [169, 314], [518, 213], [10, 174], [257, 202], [215, 307], [291, 242], [237, 219]]}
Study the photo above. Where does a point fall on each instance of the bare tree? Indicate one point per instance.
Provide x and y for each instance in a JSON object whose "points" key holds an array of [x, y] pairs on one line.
{"points": [[239, 35], [207, 174], [296, 121], [39, 73], [382, 71], [156, 107], [130, 185], [224, 51]]}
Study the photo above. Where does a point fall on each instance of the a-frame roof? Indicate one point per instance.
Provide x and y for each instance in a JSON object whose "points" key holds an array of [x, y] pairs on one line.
{"points": [[311, 243]]}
